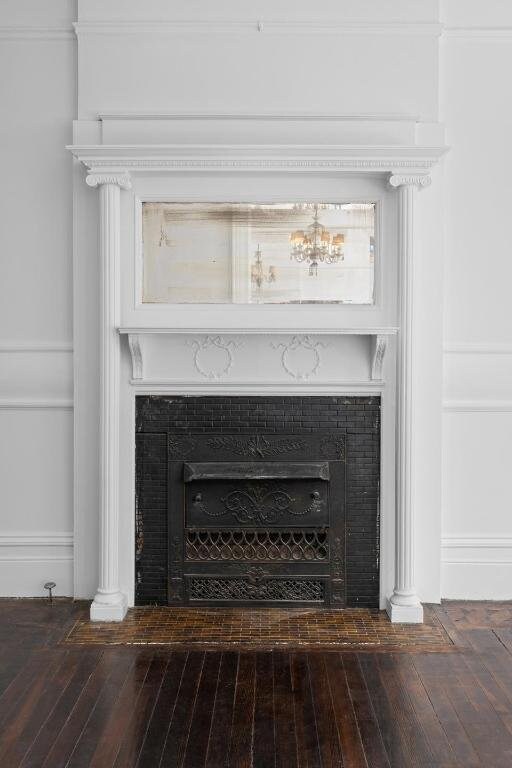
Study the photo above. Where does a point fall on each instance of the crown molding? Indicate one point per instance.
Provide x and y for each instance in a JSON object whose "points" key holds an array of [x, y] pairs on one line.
{"points": [[37, 33], [255, 26], [112, 160]]}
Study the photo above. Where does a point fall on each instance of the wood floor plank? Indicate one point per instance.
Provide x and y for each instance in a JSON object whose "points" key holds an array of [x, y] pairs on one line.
{"points": [[328, 736], [50, 729], [143, 707], [179, 727], [66, 741], [220, 730], [108, 746], [352, 750], [434, 682], [154, 740], [491, 739], [308, 753], [396, 746], [264, 752], [410, 725], [284, 723], [367, 723], [99, 717], [438, 743], [199, 736], [242, 727], [21, 724]]}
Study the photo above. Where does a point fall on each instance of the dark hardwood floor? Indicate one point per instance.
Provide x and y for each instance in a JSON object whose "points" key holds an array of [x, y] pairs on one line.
{"points": [[146, 706]]}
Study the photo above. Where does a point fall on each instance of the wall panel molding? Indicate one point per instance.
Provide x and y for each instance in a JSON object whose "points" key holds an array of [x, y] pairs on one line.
{"points": [[256, 26], [477, 406], [469, 348], [21, 404], [35, 346], [28, 33]]}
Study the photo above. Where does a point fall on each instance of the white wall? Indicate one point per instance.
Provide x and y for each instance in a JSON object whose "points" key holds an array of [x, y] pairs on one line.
{"points": [[201, 56], [477, 444], [37, 94]]}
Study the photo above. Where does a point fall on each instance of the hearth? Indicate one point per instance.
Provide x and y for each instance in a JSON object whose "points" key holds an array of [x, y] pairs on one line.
{"points": [[267, 501]]}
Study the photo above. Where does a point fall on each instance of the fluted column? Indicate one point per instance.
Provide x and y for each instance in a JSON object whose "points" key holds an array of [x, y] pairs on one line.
{"points": [[404, 605], [109, 603]]}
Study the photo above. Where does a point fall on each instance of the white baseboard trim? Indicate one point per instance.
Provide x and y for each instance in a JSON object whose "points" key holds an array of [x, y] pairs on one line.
{"points": [[476, 568], [28, 560]]}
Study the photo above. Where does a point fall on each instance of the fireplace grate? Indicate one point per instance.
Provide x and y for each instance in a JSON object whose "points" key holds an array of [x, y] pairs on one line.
{"points": [[261, 545], [256, 589]]}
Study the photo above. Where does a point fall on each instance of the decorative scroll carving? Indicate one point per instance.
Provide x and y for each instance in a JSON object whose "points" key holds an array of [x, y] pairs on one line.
{"points": [[333, 446], [256, 445], [211, 369], [254, 504], [293, 350], [379, 346], [233, 544], [410, 179], [265, 589], [135, 344], [121, 179], [179, 447]]}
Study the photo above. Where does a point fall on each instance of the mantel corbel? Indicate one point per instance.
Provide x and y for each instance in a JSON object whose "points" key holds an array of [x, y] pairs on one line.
{"points": [[120, 179]]}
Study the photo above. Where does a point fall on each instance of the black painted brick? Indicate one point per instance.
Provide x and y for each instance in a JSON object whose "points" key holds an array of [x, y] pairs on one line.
{"points": [[356, 417]]}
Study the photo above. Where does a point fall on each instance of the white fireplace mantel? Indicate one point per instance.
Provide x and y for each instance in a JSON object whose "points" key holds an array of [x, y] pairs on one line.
{"points": [[114, 168]]}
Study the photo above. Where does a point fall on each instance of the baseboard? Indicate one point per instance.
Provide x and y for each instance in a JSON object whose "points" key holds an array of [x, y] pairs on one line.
{"points": [[476, 568], [29, 559]]}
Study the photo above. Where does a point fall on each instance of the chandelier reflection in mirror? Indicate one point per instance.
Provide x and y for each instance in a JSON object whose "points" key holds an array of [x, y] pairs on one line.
{"points": [[258, 274], [258, 253], [316, 244]]}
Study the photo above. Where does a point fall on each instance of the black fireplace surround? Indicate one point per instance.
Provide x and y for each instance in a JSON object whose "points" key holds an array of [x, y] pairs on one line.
{"points": [[257, 500]]}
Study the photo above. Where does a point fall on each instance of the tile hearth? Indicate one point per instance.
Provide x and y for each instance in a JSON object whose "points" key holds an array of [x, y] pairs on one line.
{"points": [[351, 629]]}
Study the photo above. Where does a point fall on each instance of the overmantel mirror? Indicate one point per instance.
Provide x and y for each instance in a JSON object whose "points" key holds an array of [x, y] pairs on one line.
{"points": [[257, 253]]}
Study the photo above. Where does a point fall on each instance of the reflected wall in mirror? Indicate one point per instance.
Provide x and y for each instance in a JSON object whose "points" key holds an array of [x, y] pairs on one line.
{"points": [[248, 253]]}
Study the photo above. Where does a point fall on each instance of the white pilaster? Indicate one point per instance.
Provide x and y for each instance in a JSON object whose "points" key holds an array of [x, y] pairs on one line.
{"points": [[110, 603], [404, 605]]}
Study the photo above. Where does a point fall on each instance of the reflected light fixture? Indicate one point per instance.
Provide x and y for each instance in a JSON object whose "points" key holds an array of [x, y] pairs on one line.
{"points": [[316, 244], [258, 276]]}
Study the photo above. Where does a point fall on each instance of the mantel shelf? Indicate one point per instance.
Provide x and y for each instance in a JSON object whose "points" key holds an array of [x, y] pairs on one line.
{"points": [[384, 331]]}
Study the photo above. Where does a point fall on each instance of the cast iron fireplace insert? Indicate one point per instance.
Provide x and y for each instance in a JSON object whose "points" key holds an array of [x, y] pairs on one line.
{"points": [[257, 501]]}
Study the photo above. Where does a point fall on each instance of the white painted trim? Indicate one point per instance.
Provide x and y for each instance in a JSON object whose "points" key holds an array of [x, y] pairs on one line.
{"points": [[118, 159], [477, 406], [261, 116], [32, 33], [389, 331], [257, 26], [166, 387], [35, 346], [469, 348], [478, 32], [22, 404], [36, 539]]}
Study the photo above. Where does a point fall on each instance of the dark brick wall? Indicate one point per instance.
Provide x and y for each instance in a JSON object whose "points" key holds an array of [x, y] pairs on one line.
{"points": [[358, 418]]}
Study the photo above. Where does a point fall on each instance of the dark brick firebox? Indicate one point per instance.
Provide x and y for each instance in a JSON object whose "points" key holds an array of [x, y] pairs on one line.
{"points": [[354, 419]]}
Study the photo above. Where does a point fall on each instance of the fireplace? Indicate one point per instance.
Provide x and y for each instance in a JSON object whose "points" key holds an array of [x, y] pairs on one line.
{"points": [[257, 501]]}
